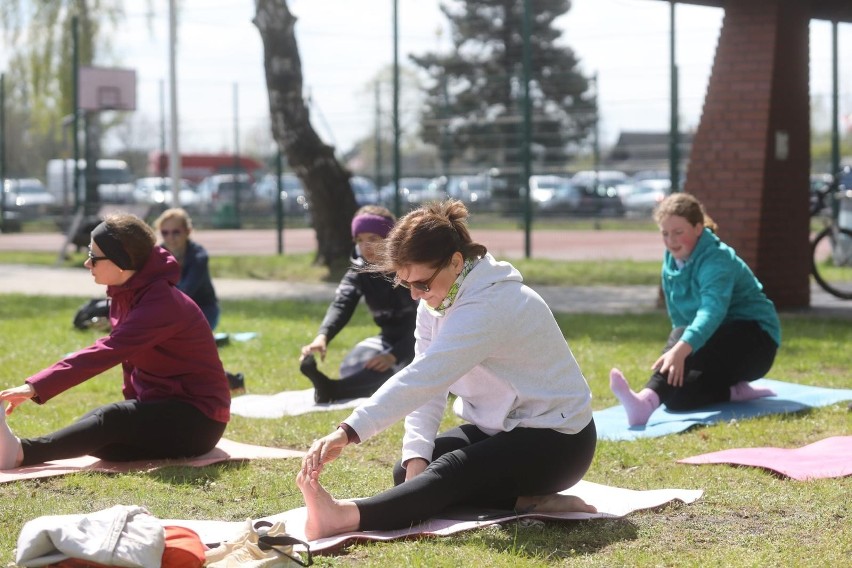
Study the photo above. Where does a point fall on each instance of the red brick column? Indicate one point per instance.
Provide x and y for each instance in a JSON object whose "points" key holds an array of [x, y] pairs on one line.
{"points": [[750, 159]]}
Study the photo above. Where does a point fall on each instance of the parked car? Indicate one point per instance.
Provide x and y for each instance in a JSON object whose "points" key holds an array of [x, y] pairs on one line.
{"points": [[157, 192], [543, 187], [566, 199], [600, 192], [366, 192], [644, 196], [28, 198], [474, 191], [217, 192], [588, 178], [293, 197], [413, 191]]}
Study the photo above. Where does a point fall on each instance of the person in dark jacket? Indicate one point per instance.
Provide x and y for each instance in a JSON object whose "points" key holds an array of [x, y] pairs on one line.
{"points": [[177, 401], [175, 227], [374, 360]]}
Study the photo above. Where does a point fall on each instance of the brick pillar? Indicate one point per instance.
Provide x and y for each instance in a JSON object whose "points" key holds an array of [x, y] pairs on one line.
{"points": [[750, 159]]}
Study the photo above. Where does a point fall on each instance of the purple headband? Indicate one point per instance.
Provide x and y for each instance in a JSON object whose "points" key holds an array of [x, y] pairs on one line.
{"points": [[371, 223]]}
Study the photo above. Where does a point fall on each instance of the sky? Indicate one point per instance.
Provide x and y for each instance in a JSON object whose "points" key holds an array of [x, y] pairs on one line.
{"points": [[345, 43]]}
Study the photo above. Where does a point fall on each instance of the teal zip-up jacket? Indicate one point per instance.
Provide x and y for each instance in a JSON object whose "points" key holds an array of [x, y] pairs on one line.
{"points": [[713, 287]]}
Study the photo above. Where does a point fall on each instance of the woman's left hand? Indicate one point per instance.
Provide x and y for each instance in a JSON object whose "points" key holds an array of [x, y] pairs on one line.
{"points": [[17, 396], [324, 450], [672, 362], [381, 362]]}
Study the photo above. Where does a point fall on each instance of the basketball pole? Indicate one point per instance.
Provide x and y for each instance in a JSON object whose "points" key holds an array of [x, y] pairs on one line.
{"points": [[174, 159]]}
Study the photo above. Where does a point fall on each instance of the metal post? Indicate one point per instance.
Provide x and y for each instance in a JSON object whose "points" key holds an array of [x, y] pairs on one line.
{"points": [[596, 144], [527, 135], [2, 153], [75, 130], [161, 162], [674, 127], [237, 185], [396, 158], [279, 204], [835, 105], [378, 134], [174, 153]]}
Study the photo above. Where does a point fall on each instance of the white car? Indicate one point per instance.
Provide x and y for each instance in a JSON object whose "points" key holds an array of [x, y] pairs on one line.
{"points": [[28, 198], [543, 188], [645, 196], [157, 191]]}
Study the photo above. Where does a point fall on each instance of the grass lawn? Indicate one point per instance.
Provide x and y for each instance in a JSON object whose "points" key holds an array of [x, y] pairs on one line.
{"points": [[747, 517]]}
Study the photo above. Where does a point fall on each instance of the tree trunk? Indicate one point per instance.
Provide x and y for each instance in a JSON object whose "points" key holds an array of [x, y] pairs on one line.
{"points": [[326, 181]]}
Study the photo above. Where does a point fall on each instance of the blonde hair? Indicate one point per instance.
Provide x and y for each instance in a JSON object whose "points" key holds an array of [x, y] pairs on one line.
{"points": [[684, 205], [178, 213]]}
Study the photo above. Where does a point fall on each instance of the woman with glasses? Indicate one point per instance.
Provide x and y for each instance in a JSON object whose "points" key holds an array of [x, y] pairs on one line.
{"points": [[176, 403], [491, 342], [175, 227], [375, 359]]}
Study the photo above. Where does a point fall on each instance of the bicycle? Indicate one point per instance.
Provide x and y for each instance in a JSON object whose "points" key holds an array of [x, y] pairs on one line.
{"points": [[831, 247]]}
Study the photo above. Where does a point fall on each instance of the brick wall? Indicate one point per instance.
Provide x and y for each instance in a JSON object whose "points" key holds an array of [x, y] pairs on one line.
{"points": [[750, 159]]}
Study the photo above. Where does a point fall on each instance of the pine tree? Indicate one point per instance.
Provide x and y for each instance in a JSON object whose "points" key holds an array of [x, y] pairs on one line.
{"points": [[474, 108]]}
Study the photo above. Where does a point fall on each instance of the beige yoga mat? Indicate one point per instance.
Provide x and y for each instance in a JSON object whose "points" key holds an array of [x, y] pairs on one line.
{"points": [[286, 403], [611, 502], [225, 450]]}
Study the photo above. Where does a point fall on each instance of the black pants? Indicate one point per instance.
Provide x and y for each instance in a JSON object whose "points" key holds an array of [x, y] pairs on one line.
{"points": [[471, 468], [128, 431], [738, 351]]}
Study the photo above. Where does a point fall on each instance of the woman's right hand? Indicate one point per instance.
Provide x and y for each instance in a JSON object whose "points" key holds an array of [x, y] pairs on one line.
{"points": [[324, 450], [17, 396], [320, 344], [414, 467]]}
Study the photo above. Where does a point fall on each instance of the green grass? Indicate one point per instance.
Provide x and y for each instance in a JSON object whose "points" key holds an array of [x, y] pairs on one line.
{"points": [[300, 268], [747, 517]]}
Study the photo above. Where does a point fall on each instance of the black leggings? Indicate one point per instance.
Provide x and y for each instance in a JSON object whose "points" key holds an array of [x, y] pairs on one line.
{"points": [[738, 351], [128, 431], [473, 469]]}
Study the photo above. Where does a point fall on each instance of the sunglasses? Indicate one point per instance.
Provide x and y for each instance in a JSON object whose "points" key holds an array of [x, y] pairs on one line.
{"points": [[167, 233], [94, 259], [421, 286]]}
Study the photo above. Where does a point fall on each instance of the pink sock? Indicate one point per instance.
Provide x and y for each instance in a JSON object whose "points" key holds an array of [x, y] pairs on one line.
{"points": [[10, 445], [743, 391], [639, 406]]}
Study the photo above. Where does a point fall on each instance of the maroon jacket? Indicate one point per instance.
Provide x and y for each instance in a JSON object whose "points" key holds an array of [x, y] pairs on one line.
{"points": [[162, 341]]}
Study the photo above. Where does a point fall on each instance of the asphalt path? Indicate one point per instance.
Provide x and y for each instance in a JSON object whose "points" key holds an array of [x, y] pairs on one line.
{"points": [[552, 244]]}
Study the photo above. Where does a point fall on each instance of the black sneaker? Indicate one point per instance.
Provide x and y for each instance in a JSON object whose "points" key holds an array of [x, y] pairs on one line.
{"points": [[237, 382]]}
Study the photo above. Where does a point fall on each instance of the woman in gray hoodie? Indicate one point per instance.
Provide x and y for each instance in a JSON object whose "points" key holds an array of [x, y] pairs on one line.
{"points": [[493, 343]]}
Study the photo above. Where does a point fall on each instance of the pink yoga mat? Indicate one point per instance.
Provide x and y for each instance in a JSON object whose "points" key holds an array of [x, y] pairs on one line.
{"points": [[225, 450], [831, 457]]}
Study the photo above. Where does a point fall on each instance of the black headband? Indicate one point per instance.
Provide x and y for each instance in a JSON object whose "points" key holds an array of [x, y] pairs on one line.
{"points": [[111, 247]]}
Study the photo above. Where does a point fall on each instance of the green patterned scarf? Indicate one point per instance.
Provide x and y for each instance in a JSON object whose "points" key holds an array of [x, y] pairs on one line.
{"points": [[454, 290]]}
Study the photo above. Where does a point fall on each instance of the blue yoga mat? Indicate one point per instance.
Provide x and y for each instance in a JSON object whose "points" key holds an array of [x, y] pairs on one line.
{"points": [[612, 424]]}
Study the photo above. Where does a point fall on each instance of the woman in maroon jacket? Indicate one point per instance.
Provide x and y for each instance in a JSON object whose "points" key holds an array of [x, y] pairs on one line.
{"points": [[177, 401]]}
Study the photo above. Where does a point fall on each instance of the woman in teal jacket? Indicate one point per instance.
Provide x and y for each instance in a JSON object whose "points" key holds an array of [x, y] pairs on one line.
{"points": [[725, 331]]}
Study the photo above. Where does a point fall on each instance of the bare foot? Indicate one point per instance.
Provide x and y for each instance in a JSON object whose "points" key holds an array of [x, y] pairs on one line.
{"points": [[639, 406], [553, 503], [326, 515], [743, 390], [11, 451]]}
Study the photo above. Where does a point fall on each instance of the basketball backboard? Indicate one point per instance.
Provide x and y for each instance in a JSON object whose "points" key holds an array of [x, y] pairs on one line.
{"points": [[103, 88]]}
